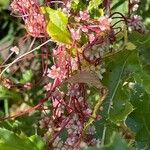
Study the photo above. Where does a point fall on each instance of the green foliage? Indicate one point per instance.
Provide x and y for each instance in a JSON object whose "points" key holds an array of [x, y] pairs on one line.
{"points": [[115, 143], [114, 79], [94, 4], [11, 141], [4, 4], [127, 79], [9, 94], [38, 141], [57, 25], [139, 120], [27, 76]]}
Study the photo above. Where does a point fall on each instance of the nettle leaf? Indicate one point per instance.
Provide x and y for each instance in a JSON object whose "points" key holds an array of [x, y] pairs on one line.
{"points": [[119, 105], [11, 141], [143, 46], [121, 108], [93, 4], [139, 120], [120, 6], [57, 25], [116, 143], [143, 78]]}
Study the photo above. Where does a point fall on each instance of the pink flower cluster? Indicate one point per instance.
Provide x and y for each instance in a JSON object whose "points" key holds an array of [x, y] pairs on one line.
{"points": [[70, 109], [135, 22], [134, 5], [30, 12]]}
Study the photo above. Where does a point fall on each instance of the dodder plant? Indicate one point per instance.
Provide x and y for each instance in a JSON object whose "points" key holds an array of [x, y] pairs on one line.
{"points": [[86, 34]]}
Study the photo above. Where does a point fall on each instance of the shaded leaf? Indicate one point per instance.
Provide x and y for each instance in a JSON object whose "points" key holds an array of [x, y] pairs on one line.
{"points": [[139, 120], [119, 105], [116, 143], [93, 4], [9, 94], [11, 141], [89, 78]]}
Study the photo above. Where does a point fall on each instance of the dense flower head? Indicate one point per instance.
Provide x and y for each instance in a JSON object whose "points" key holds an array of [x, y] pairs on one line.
{"points": [[56, 72], [135, 22], [84, 15], [91, 40], [30, 12], [105, 23], [75, 34], [134, 5]]}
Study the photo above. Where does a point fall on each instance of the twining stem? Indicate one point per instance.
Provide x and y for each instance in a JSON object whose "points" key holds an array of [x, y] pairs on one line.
{"points": [[6, 107], [17, 59], [96, 109]]}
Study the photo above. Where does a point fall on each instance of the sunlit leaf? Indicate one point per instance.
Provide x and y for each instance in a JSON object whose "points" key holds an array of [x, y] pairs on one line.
{"points": [[93, 4], [57, 25], [130, 46]]}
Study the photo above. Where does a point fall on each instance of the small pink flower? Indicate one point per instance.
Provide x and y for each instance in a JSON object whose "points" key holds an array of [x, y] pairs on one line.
{"points": [[75, 34], [28, 85], [84, 28], [91, 37], [135, 7], [48, 87], [54, 72], [7, 83], [104, 23], [30, 12], [84, 15]]}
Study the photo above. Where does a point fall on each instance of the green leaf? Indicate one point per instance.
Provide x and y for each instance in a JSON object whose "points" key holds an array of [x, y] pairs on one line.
{"points": [[38, 142], [9, 94], [119, 105], [78, 5], [27, 76], [119, 68], [57, 25], [120, 6], [143, 46], [130, 46], [11, 141], [143, 78], [116, 143], [94, 4], [139, 120], [4, 4]]}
